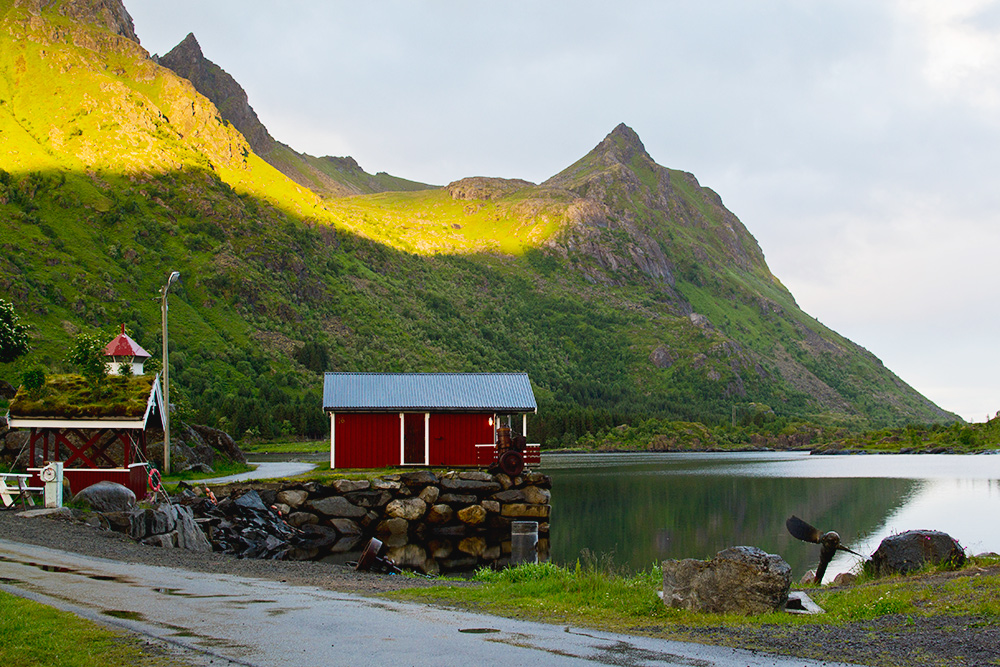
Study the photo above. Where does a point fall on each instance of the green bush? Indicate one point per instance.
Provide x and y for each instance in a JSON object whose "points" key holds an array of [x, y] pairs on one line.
{"points": [[87, 354], [33, 381]]}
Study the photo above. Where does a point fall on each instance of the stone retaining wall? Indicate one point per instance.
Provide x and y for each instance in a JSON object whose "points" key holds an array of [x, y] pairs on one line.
{"points": [[456, 521]]}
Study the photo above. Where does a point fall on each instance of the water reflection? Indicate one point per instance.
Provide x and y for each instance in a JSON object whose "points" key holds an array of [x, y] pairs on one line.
{"points": [[643, 508]]}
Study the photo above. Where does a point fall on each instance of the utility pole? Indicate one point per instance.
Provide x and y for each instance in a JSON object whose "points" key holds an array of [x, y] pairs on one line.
{"points": [[166, 377]]}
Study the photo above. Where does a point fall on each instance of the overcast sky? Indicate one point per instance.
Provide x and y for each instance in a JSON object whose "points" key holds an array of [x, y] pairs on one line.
{"points": [[858, 141]]}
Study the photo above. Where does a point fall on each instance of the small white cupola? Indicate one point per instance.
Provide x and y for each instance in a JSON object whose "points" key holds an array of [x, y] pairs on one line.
{"points": [[124, 350]]}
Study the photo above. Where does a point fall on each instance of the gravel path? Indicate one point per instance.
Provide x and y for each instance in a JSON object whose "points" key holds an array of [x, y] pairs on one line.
{"points": [[82, 539], [890, 640]]}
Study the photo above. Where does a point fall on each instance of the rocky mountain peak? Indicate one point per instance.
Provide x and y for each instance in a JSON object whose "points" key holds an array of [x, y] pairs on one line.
{"points": [[622, 145], [616, 157], [110, 14], [188, 52], [187, 60]]}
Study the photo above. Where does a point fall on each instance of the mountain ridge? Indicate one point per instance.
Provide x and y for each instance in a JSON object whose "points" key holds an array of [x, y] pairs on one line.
{"points": [[326, 176], [624, 288]]}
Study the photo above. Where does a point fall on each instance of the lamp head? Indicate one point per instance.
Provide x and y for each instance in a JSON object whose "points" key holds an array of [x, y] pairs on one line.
{"points": [[173, 278]]}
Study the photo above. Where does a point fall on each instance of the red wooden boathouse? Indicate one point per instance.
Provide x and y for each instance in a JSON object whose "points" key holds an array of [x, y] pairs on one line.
{"points": [[423, 419]]}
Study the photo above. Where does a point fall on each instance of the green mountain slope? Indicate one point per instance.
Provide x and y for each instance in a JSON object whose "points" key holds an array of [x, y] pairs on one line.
{"points": [[624, 289], [326, 176]]}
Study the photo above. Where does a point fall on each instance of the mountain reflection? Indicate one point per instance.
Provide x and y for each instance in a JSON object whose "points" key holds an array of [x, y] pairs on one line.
{"points": [[643, 512]]}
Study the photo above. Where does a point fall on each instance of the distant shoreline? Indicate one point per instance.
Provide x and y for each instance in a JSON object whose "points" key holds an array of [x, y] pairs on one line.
{"points": [[749, 450]]}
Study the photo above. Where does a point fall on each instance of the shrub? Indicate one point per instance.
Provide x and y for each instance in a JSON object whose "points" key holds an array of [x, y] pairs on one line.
{"points": [[33, 381], [13, 334], [87, 355]]}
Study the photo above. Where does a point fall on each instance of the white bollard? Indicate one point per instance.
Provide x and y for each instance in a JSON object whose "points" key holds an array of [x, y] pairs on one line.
{"points": [[52, 476], [523, 542]]}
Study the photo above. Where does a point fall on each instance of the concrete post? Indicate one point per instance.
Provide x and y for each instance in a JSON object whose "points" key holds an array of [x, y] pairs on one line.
{"points": [[523, 542]]}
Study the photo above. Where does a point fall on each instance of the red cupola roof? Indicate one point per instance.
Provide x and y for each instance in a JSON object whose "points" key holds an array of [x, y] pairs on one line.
{"points": [[123, 346]]}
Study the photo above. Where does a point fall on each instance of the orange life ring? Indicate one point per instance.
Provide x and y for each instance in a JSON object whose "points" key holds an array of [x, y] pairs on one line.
{"points": [[154, 480]]}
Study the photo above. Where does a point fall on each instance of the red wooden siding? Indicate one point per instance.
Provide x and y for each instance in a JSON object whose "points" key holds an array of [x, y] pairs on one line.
{"points": [[453, 438], [366, 440]]}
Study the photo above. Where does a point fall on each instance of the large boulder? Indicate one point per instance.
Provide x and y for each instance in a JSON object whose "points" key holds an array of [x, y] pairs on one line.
{"points": [[251, 500], [146, 522], [168, 525], [470, 486], [418, 478], [106, 497], [912, 550], [13, 446], [739, 580], [220, 441], [410, 509], [347, 485], [192, 444], [439, 514], [335, 506], [473, 515], [189, 534], [7, 390], [293, 497]]}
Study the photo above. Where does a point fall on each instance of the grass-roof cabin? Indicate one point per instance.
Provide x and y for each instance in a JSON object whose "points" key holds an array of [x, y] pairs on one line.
{"points": [[98, 433]]}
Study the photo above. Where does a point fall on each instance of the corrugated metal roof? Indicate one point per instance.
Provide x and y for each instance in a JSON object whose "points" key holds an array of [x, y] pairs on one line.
{"points": [[390, 392]]}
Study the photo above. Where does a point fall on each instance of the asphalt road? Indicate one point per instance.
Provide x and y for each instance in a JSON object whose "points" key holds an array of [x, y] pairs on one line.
{"points": [[222, 619], [264, 470]]}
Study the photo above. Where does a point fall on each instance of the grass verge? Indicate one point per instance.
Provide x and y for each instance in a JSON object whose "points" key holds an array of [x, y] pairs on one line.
{"points": [[34, 635], [286, 447], [596, 596]]}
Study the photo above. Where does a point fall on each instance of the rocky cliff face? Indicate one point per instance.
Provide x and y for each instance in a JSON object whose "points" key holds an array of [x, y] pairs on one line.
{"points": [[108, 14], [187, 60], [636, 213]]}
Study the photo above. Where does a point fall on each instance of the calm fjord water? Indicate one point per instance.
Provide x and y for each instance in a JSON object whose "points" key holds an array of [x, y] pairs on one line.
{"points": [[642, 508]]}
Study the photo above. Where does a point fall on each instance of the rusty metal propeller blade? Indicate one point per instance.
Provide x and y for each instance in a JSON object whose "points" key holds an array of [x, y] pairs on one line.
{"points": [[850, 551], [830, 542], [801, 530]]}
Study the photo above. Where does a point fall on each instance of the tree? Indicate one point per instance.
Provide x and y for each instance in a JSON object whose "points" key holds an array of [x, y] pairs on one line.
{"points": [[13, 334], [88, 355]]}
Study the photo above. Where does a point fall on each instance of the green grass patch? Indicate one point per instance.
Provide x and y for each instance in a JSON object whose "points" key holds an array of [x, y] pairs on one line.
{"points": [[286, 447], [322, 473], [552, 593], [592, 594], [34, 635]]}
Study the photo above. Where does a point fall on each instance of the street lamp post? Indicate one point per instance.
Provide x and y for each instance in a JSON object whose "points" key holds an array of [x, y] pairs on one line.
{"points": [[166, 377]]}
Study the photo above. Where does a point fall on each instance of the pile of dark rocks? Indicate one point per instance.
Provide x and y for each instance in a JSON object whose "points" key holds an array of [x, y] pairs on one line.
{"points": [[243, 526]]}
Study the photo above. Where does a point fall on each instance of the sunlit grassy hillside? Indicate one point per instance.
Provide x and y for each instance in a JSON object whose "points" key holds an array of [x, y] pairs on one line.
{"points": [[432, 222]]}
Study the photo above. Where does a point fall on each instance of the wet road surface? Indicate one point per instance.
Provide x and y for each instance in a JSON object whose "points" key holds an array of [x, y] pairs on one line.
{"points": [[223, 619], [264, 470]]}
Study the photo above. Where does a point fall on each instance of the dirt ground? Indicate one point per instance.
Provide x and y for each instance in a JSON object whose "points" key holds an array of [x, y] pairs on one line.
{"points": [[889, 640]]}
